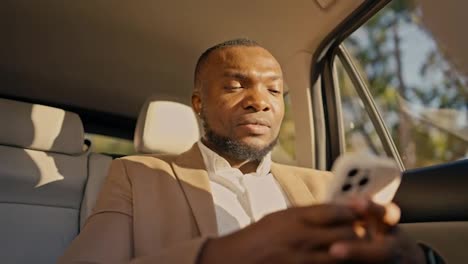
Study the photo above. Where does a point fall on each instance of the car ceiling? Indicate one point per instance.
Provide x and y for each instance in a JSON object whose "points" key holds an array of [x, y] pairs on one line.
{"points": [[109, 56]]}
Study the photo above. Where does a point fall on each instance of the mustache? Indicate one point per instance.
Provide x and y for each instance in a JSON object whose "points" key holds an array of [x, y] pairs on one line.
{"points": [[248, 119], [236, 149]]}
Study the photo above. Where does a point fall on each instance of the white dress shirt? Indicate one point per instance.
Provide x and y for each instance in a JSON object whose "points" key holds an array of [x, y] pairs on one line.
{"points": [[241, 199]]}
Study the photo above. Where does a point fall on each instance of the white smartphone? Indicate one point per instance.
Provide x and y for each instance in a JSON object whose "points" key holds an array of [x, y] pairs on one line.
{"points": [[362, 174]]}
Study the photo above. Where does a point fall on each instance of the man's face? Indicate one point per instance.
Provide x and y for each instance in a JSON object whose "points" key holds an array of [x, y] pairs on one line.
{"points": [[242, 96]]}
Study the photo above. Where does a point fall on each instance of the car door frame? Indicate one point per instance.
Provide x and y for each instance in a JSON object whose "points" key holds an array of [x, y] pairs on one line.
{"points": [[433, 199]]}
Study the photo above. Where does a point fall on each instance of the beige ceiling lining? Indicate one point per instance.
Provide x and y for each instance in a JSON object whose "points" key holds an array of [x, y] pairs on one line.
{"points": [[111, 55]]}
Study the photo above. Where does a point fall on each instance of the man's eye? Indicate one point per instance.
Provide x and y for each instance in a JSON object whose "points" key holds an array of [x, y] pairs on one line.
{"points": [[274, 91], [233, 88]]}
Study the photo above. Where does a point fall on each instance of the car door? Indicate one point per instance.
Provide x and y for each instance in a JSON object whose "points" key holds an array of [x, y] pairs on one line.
{"points": [[386, 88]]}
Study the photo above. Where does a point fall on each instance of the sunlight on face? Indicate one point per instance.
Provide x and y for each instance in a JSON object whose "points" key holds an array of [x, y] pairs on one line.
{"points": [[243, 97]]}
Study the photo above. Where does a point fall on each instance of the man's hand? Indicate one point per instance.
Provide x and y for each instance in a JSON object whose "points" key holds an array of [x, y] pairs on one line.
{"points": [[358, 232], [295, 235], [383, 242]]}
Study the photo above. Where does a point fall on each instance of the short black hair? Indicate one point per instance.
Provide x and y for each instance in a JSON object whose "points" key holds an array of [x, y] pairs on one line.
{"points": [[226, 44]]}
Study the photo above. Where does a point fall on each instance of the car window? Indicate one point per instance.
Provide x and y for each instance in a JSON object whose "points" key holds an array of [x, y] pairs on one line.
{"points": [[360, 134], [420, 95], [110, 145]]}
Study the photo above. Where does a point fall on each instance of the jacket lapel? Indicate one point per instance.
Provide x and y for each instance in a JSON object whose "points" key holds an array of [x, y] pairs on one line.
{"points": [[190, 170], [193, 177], [293, 185]]}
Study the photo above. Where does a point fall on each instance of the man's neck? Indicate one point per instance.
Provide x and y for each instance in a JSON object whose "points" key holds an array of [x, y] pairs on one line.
{"points": [[245, 166]]}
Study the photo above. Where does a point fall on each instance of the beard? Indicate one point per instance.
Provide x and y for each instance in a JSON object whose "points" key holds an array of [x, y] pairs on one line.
{"points": [[233, 148]]}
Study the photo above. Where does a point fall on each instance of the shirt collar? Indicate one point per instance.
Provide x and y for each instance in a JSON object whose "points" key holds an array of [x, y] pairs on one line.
{"points": [[215, 164]]}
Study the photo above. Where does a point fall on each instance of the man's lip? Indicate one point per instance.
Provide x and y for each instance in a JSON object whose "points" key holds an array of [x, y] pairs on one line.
{"points": [[256, 121], [254, 129]]}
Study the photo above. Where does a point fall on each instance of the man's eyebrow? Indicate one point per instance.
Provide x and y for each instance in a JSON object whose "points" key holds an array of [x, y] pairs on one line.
{"points": [[273, 77], [235, 75], [242, 76]]}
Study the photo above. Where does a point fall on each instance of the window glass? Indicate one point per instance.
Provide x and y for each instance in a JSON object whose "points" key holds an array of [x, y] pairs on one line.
{"points": [[360, 134], [110, 145], [285, 150], [421, 97]]}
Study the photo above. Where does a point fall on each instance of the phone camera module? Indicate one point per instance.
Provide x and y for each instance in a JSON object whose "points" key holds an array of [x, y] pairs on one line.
{"points": [[363, 181], [346, 187], [353, 172]]}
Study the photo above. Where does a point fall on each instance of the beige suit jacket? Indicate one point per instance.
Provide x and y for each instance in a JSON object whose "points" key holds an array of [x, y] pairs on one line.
{"points": [[159, 209]]}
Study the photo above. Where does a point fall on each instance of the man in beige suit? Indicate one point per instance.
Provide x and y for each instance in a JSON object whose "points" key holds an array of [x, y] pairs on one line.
{"points": [[224, 201]]}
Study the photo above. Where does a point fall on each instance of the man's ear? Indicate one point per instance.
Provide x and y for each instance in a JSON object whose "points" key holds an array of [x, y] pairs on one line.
{"points": [[196, 102]]}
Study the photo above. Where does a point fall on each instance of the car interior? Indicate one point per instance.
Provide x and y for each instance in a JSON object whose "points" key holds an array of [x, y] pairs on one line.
{"points": [[124, 69]]}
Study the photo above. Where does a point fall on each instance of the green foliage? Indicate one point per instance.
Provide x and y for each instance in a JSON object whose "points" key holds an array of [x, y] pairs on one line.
{"points": [[378, 48], [110, 145]]}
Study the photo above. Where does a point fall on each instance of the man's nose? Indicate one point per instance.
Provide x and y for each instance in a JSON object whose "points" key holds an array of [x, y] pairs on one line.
{"points": [[256, 100]]}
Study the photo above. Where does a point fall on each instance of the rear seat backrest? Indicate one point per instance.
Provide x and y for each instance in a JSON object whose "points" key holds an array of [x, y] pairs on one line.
{"points": [[49, 182], [162, 127], [98, 166], [43, 172], [165, 127]]}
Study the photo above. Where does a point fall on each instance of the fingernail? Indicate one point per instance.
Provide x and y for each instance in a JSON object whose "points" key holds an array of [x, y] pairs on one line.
{"points": [[392, 214], [360, 230], [339, 251]]}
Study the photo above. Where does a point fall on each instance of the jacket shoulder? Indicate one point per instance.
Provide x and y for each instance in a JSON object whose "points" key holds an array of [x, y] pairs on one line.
{"points": [[150, 161], [317, 181], [305, 172]]}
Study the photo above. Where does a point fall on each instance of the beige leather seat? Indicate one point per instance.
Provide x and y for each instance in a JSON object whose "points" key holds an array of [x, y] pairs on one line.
{"points": [[98, 165], [165, 127], [49, 180], [45, 170], [172, 128]]}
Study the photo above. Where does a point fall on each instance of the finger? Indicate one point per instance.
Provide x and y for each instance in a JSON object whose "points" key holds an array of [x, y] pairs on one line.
{"points": [[324, 237], [359, 204], [364, 207], [326, 214], [389, 213], [382, 219], [360, 230], [384, 250], [392, 214], [285, 255], [376, 218], [313, 257]]}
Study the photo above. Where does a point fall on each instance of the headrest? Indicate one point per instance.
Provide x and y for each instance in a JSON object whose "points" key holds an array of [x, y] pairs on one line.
{"points": [[39, 127], [165, 127]]}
